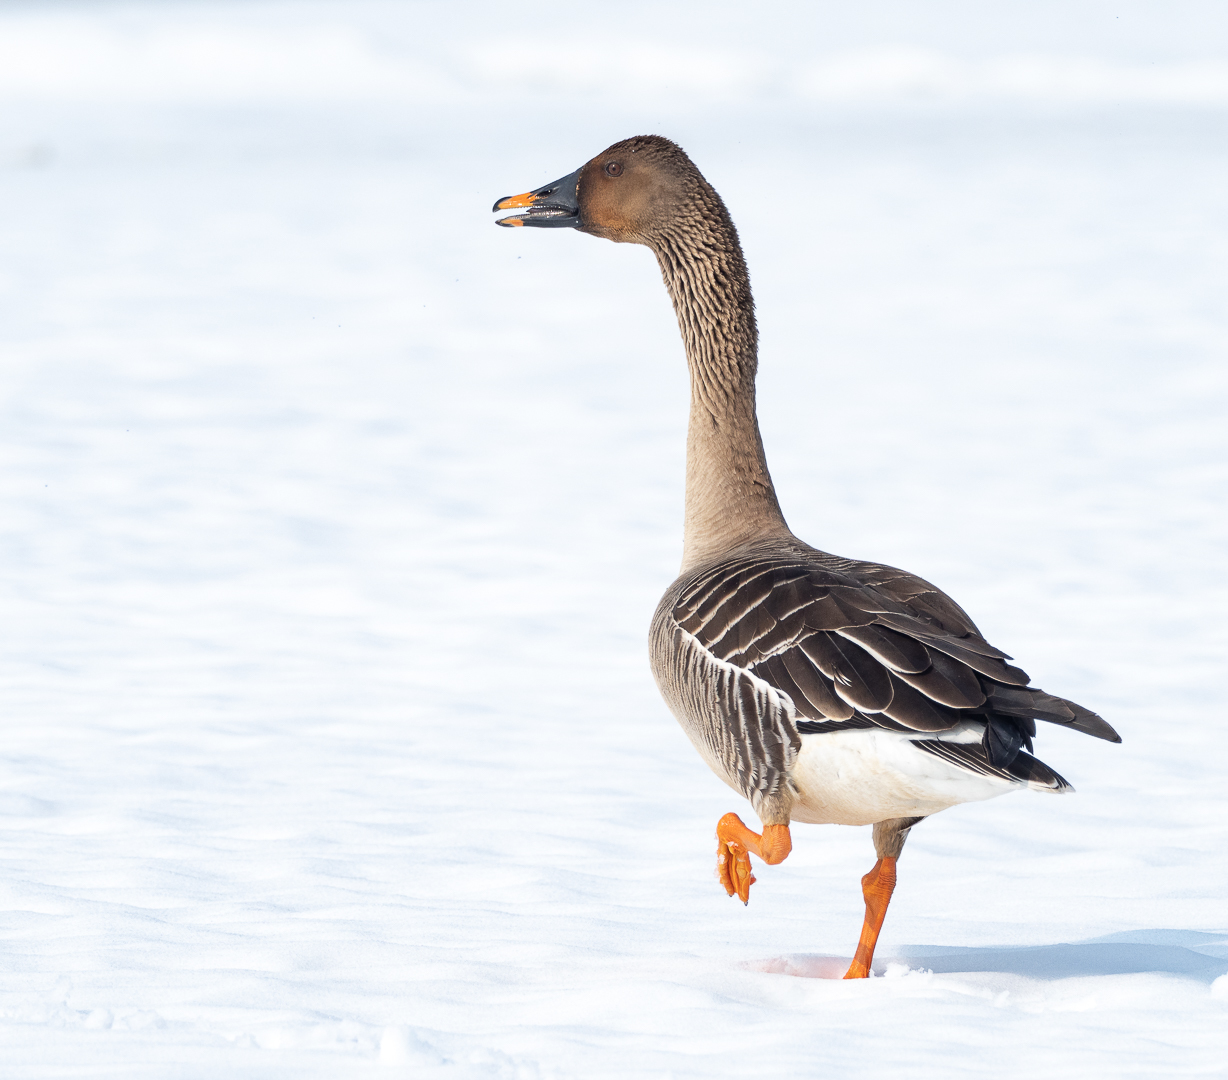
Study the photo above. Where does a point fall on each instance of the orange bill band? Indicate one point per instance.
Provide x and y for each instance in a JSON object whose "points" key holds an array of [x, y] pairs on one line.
{"points": [[513, 201]]}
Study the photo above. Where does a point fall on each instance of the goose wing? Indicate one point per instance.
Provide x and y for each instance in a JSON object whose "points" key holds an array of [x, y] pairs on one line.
{"points": [[856, 644]]}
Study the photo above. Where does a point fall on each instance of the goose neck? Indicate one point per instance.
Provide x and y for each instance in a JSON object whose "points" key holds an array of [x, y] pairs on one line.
{"points": [[730, 499]]}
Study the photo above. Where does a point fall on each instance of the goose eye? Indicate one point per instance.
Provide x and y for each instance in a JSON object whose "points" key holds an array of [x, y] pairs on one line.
{"points": [[613, 169]]}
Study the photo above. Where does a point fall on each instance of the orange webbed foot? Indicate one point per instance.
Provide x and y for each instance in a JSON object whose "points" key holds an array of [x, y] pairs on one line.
{"points": [[733, 866], [734, 844]]}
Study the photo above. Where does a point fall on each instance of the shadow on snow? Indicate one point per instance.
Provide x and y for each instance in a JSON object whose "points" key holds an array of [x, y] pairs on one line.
{"points": [[1193, 954]]}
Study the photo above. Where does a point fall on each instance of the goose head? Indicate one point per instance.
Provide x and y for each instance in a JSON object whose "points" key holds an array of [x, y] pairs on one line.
{"points": [[630, 193]]}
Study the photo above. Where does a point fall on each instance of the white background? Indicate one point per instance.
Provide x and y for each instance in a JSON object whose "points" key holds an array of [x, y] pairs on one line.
{"points": [[332, 518]]}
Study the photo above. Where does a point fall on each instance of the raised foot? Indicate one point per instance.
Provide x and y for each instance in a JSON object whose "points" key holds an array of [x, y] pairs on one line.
{"points": [[733, 859], [734, 845]]}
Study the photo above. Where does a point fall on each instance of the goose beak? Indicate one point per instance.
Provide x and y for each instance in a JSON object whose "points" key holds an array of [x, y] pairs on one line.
{"points": [[555, 206]]}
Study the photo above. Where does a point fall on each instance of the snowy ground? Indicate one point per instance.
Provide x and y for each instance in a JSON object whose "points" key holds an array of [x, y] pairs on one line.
{"points": [[332, 519]]}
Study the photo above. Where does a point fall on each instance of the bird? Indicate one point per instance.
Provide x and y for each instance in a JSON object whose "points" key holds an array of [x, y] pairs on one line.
{"points": [[824, 690]]}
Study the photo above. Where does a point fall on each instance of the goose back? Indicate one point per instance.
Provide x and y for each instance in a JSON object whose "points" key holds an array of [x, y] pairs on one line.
{"points": [[778, 640]]}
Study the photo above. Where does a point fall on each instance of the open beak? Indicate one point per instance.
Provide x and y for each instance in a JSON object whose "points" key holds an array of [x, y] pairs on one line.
{"points": [[555, 206]]}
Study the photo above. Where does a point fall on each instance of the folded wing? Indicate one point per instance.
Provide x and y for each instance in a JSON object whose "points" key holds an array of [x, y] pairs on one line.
{"points": [[858, 644]]}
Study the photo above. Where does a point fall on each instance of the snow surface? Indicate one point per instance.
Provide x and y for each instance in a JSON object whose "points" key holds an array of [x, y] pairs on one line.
{"points": [[333, 517]]}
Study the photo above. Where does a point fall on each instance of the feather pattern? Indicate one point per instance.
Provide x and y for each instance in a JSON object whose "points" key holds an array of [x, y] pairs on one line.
{"points": [[794, 641], [972, 757], [738, 721]]}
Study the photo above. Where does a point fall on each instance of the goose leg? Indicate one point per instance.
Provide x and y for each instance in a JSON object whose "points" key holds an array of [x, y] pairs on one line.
{"points": [[877, 887], [734, 845]]}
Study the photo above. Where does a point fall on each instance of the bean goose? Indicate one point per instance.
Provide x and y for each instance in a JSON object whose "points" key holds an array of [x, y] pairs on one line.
{"points": [[823, 689]]}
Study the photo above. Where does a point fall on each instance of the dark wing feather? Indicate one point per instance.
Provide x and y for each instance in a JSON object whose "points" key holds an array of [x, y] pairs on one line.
{"points": [[856, 676], [722, 608], [947, 682], [856, 644], [816, 688], [1032, 704], [774, 670], [922, 600], [914, 710], [971, 756], [771, 642], [889, 647], [996, 669]]}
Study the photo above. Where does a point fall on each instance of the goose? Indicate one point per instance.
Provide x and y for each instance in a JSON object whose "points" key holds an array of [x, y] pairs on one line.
{"points": [[824, 690]]}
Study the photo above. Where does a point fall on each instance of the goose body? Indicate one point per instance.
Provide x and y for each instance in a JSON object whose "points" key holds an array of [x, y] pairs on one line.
{"points": [[824, 690], [830, 691]]}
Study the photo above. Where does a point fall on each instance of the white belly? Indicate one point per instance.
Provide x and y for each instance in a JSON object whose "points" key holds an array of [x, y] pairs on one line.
{"points": [[868, 775]]}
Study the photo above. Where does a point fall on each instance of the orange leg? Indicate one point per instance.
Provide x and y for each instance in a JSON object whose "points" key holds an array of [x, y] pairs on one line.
{"points": [[734, 844], [877, 887]]}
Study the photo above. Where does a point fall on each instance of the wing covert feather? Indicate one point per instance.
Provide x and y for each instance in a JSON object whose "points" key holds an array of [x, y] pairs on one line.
{"points": [[817, 689], [856, 676]]}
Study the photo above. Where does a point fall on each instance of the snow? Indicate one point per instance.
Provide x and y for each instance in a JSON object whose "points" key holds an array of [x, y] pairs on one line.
{"points": [[332, 518]]}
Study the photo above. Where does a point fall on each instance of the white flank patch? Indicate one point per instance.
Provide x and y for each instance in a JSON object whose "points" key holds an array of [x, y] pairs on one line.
{"points": [[869, 774]]}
